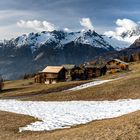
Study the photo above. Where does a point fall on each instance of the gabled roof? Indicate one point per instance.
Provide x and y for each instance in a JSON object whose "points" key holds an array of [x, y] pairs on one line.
{"points": [[121, 61], [95, 66], [69, 66], [118, 60], [53, 69]]}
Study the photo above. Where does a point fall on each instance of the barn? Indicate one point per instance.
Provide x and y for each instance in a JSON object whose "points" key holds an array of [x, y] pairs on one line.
{"points": [[116, 65], [51, 75], [78, 73], [93, 71], [69, 68]]}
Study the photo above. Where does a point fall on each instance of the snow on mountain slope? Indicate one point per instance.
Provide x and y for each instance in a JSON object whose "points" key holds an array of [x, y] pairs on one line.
{"points": [[125, 34], [60, 38], [92, 38], [117, 43], [69, 37]]}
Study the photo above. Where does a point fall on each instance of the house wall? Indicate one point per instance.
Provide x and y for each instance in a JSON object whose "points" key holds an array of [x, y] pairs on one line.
{"points": [[50, 78], [51, 81], [40, 78], [114, 66], [68, 75], [61, 75], [78, 74]]}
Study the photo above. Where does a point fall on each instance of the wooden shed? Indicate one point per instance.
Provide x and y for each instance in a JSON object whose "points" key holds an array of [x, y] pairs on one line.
{"points": [[116, 65], [78, 73], [93, 71], [52, 74], [69, 68]]}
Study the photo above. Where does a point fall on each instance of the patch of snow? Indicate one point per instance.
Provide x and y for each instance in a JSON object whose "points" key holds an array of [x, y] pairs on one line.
{"points": [[118, 44], [39, 56], [60, 115], [91, 84], [69, 37], [21, 41], [93, 39]]}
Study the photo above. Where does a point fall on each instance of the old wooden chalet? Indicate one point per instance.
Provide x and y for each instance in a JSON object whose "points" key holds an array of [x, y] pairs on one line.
{"points": [[51, 75], [78, 73], [93, 71], [116, 65], [69, 69]]}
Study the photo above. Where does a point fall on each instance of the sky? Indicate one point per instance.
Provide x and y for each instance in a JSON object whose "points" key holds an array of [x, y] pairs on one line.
{"points": [[18, 17]]}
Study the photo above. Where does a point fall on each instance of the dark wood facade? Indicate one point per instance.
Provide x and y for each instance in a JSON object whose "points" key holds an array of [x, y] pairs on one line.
{"points": [[78, 73], [69, 68], [95, 71], [116, 65]]}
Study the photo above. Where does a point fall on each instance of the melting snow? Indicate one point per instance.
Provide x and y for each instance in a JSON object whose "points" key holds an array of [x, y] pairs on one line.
{"points": [[91, 84], [59, 115]]}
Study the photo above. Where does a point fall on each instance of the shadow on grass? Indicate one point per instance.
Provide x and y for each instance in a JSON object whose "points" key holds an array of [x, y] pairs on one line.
{"points": [[11, 89]]}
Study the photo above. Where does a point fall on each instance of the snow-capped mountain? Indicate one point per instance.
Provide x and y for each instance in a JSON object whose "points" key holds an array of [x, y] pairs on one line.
{"points": [[31, 53], [60, 38], [122, 39]]}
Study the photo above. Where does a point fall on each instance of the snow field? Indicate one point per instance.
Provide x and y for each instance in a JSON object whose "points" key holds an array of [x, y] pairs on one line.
{"points": [[60, 115]]}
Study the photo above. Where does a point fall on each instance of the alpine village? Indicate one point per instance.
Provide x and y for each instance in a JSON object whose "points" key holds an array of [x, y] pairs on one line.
{"points": [[69, 69]]}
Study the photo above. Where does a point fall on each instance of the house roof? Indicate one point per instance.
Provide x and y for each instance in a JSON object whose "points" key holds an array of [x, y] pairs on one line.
{"points": [[95, 66], [118, 60], [69, 66], [121, 61], [53, 69]]}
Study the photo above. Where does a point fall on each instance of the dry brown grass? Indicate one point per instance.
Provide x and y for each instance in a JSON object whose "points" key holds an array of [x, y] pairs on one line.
{"points": [[21, 88], [126, 127], [10, 123]]}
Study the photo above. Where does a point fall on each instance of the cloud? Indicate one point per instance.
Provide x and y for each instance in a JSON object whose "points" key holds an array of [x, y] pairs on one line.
{"points": [[36, 25], [123, 26], [86, 23]]}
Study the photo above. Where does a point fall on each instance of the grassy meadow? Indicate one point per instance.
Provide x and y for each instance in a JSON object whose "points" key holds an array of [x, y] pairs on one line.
{"points": [[126, 127]]}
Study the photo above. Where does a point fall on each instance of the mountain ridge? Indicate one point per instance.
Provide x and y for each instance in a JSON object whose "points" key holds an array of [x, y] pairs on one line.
{"points": [[31, 53]]}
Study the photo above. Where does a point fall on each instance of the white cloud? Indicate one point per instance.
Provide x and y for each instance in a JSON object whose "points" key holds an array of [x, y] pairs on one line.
{"points": [[127, 30], [36, 25], [86, 23], [123, 26]]}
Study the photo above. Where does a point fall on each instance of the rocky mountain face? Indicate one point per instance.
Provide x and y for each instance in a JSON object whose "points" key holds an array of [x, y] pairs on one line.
{"points": [[31, 53], [136, 44], [123, 37]]}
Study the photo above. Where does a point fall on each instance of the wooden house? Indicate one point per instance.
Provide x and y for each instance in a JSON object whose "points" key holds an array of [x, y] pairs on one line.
{"points": [[78, 73], [116, 65], [39, 78], [69, 68], [93, 71], [51, 75]]}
